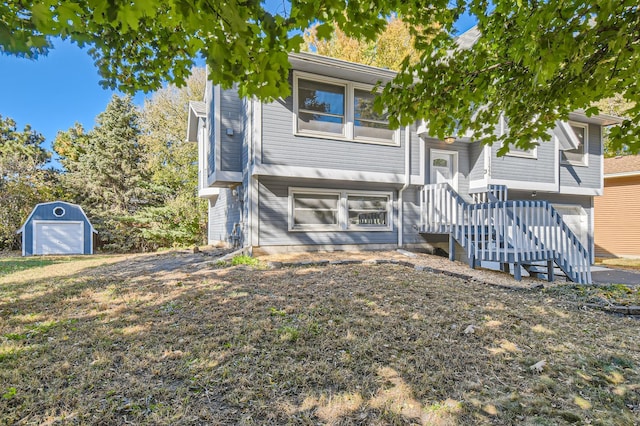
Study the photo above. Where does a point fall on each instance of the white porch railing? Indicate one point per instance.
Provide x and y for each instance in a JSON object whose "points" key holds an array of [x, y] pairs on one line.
{"points": [[518, 232]]}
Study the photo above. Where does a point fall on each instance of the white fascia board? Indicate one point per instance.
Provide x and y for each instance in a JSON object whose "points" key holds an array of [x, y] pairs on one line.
{"points": [[525, 185], [580, 191], [329, 174]]}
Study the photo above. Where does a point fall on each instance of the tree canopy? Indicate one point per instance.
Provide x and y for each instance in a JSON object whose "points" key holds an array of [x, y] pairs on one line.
{"points": [[533, 61]]}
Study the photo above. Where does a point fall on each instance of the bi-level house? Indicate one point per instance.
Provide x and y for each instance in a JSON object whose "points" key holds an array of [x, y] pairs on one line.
{"points": [[319, 170]]}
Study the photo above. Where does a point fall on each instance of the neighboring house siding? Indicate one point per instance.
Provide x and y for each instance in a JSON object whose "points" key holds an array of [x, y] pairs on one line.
{"points": [[617, 221], [281, 147], [534, 170], [223, 216], [274, 216], [585, 177], [231, 115]]}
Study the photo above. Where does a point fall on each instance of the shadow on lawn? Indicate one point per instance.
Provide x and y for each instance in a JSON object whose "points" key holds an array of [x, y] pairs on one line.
{"points": [[147, 343]]}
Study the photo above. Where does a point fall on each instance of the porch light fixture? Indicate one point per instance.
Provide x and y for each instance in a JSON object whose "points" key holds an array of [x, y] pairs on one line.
{"points": [[449, 140]]}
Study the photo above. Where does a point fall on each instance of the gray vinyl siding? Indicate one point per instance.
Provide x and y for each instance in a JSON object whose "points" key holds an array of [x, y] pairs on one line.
{"points": [[411, 213], [540, 169], [281, 147], [462, 149], [581, 176], [274, 216], [223, 216], [476, 161], [415, 152], [231, 113]]}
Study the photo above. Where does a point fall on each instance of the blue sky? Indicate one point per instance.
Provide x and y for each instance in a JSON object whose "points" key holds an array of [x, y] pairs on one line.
{"points": [[53, 92]]}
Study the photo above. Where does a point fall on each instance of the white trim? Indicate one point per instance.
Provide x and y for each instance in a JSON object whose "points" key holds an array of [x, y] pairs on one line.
{"points": [[349, 105], [257, 132], [329, 174], [61, 214], [423, 161], [407, 182], [313, 58], [223, 179], [34, 234], [601, 158], [487, 149], [454, 155], [592, 230], [556, 161], [342, 212], [254, 210], [580, 191], [217, 129], [621, 174], [526, 185], [585, 148]]}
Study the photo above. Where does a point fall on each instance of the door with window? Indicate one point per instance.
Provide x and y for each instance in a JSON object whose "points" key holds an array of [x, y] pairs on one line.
{"points": [[444, 167]]}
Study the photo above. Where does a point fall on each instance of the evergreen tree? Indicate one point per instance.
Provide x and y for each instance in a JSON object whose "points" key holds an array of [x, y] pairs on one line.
{"points": [[24, 181]]}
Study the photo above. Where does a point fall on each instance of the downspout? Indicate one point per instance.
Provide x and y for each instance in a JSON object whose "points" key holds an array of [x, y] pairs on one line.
{"points": [[407, 181]]}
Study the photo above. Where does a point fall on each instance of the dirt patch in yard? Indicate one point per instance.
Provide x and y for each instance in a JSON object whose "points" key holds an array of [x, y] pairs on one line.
{"points": [[177, 338]]}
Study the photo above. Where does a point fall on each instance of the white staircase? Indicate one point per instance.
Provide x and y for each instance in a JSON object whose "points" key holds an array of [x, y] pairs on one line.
{"points": [[523, 233]]}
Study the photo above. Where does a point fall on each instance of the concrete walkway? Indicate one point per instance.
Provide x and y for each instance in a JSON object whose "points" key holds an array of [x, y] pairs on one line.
{"points": [[601, 275]]}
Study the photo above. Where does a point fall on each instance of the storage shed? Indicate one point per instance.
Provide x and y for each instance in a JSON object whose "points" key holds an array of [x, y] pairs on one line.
{"points": [[57, 228]]}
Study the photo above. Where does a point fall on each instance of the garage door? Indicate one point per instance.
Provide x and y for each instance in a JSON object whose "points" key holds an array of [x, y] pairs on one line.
{"points": [[577, 220], [58, 238]]}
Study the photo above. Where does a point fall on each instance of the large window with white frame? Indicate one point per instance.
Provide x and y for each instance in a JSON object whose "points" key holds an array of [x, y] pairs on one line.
{"points": [[332, 108], [578, 156], [339, 210]]}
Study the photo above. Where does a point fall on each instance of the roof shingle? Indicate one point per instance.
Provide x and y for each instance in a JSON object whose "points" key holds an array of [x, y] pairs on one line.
{"points": [[622, 164]]}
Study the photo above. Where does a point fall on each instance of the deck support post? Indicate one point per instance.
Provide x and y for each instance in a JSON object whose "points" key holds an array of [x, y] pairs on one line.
{"points": [[517, 271], [504, 267], [550, 276], [452, 248]]}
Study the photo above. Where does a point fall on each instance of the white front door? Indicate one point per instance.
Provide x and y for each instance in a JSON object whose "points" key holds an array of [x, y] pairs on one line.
{"points": [[444, 167]]}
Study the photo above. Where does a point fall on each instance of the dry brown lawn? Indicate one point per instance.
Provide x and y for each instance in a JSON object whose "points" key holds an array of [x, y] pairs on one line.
{"points": [[168, 339]]}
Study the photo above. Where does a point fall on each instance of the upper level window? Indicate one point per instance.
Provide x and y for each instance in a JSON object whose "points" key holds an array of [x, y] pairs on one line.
{"points": [[332, 108], [578, 156], [367, 123], [320, 107]]}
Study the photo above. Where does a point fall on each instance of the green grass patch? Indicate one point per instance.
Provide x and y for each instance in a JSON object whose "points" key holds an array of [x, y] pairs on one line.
{"points": [[13, 264], [244, 259], [616, 294]]}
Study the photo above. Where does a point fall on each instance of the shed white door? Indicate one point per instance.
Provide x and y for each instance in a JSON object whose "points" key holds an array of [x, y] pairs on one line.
{"points": [[58, 238]]}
